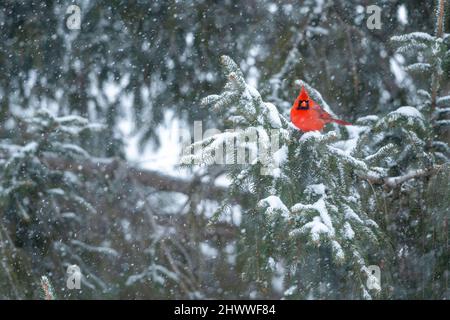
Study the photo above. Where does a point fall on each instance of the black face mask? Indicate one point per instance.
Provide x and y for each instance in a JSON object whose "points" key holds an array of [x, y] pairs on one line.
{"points": [[305, 107]]}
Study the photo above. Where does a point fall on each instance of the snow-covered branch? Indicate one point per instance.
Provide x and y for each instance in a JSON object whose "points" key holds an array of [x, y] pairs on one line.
{"points": [[393, 182]]}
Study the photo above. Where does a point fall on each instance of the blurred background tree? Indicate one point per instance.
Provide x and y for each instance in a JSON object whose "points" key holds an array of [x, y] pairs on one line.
{"points": [[150, 62]]}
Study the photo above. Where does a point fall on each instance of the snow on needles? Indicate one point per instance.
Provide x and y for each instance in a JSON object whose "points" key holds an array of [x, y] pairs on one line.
{"points": [[273, 204], [408, 112], [273, 116], [321, 223]]}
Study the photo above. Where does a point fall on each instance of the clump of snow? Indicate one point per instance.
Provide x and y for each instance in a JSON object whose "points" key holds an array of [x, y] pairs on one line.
{"points": [[318, 189], [402, 14], [253, 92], [29, 147], [413, 36], [396, 66], [337, 250], [349, 234], [310, 135], [351, 215], [273, 115], [350, 144], [274, 204], [372, 280], [442, 100], [56, 191], [280, 156], [316, 227], [236, 215], [321, 223], [369, 118], [321, 207], [408, 112], [208, 250], [271, 263], [290, 291]]}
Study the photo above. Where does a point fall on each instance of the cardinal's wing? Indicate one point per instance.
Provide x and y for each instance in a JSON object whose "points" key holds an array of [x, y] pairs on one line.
{"points": [[326, 117], [322, 113]]}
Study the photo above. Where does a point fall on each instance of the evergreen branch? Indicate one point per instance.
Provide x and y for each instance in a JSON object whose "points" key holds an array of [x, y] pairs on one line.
{"points": [[411, 47], [442, 110], [382, 152], [445, 122], [393, 182], [413, 36], [418, 67], [443, 100], [441, 145]]}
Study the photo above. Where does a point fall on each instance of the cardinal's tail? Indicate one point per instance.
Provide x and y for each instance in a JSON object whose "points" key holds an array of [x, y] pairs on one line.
{"points": [[341, 122]]}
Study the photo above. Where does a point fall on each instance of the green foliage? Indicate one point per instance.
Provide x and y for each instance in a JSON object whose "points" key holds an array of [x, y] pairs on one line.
{"points": [[162, 54], [320, 217], [316, 211], [308, 200], [39, 200], [30, 186]]}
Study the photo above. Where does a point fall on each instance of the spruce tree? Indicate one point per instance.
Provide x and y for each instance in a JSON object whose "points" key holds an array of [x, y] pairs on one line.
{"points": [[40, 205], [421, 205], [304, 217], [322, 207]]}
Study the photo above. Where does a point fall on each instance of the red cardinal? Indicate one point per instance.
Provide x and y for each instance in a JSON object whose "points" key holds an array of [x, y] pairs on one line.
{"points": [[309, 116]]}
